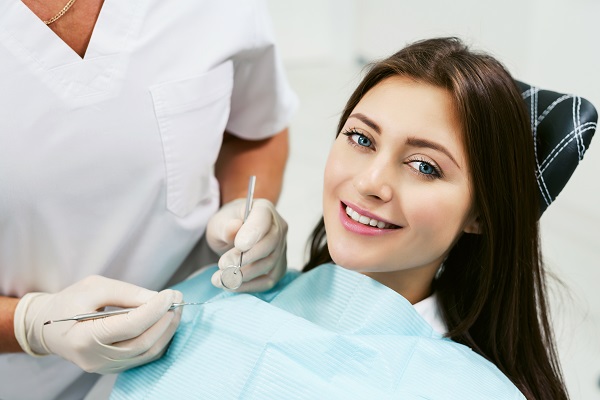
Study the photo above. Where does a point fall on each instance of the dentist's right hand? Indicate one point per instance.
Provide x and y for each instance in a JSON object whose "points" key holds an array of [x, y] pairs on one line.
{"points": [[104, 345]]}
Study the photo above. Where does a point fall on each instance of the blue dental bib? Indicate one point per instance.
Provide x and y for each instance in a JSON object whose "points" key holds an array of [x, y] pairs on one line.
{"points": [[330, 333]]}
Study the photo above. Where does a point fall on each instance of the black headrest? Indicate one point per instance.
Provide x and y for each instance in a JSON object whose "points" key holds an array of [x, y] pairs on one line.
{"points": [[563, 126]]}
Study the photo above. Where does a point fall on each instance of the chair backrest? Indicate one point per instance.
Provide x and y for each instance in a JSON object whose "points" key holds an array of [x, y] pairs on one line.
{"points": [[563, 126]]}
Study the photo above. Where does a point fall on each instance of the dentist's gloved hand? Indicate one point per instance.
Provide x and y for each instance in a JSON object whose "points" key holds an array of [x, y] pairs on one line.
{"points": [[262, 238], [104, 345]]}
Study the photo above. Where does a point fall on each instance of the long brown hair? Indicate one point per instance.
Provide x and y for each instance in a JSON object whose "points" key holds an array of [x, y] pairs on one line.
{"points": [[491, 288]]}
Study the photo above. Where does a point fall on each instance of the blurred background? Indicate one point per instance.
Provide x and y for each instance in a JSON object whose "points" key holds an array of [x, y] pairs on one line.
{"points": [[551, 44]]}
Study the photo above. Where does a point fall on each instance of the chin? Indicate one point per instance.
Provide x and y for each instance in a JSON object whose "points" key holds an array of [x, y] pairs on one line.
{"points": [[348, 261]]}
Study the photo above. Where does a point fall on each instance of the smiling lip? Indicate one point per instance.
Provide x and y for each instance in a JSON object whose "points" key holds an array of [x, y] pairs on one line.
{"points": [[362, 229]]}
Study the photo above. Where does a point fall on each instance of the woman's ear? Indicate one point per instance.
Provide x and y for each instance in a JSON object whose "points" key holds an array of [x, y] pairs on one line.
{"points": [[473, 226]]}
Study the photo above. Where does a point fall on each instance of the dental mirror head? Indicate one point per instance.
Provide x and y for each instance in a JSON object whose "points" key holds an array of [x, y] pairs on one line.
{"points": [[232, 277]]}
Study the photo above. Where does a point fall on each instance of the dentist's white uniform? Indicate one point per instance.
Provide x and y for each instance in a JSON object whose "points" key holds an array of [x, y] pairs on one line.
{"points": [[106, 162]]}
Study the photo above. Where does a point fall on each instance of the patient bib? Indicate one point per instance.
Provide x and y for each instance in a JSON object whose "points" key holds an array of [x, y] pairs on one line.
{"points": [[330, 333]]}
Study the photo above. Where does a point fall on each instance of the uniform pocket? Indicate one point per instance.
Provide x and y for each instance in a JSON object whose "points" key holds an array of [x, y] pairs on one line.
{"points": [[192, 114]]}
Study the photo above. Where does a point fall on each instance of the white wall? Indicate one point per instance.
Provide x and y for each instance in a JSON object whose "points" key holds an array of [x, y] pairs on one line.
{"points": [[314, 32], [549, 43], [385, 25]]}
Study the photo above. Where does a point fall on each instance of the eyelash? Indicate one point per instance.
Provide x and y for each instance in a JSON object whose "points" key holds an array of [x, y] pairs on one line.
{"points": [[437, 173], [351, 132]]}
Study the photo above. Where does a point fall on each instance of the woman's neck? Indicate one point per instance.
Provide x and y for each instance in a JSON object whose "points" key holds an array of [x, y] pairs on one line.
{"points": [[413, 284]]}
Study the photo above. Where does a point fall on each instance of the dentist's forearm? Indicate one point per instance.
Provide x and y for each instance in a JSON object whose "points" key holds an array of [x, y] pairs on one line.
{"points": [[241, 158], [8, 343]]}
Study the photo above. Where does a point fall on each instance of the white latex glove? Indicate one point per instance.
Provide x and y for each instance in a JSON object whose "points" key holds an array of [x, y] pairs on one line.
{"points": [[262, 238], [104, 345]]}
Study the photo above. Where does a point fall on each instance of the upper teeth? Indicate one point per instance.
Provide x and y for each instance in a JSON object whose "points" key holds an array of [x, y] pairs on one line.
{"points": [[365, 220]]}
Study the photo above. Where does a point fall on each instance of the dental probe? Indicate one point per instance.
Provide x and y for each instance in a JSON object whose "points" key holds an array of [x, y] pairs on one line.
{"points": [[104, 314], [232, 277]]}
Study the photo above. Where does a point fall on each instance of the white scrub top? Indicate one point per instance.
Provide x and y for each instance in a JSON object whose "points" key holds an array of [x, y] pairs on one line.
{"points": [[106, 162]]}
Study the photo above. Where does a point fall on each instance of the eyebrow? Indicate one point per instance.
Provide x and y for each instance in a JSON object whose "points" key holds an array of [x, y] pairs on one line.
{"points": [[411, 141], [369, 122], [417, 142]]}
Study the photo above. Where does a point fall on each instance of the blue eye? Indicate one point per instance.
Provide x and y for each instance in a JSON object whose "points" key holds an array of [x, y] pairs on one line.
{"points": [[362, 140], [426, 169], [358, 139]]}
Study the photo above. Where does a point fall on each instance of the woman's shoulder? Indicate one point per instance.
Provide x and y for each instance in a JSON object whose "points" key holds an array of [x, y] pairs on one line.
{"points": [[457, 370]]}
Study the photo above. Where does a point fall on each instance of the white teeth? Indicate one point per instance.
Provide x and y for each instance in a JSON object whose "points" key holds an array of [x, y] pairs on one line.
{"points": [[364, 219]]}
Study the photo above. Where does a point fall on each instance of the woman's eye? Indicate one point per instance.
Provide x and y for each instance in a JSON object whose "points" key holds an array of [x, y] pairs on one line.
{"points": [[426, 169], [355, 138], [361, 140]]}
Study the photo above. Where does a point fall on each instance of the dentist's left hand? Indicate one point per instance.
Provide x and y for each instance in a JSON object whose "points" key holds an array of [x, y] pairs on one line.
{"points": [[262, 238], [104, 345]]}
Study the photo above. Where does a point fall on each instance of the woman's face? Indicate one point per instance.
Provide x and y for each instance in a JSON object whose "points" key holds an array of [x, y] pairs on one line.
{"points": [[397, 189]]}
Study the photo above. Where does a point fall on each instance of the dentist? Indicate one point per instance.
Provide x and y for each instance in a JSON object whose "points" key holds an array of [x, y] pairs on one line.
{"points": [[124, 126]]}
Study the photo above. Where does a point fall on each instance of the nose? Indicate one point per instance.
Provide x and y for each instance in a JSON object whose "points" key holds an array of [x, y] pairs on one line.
{"points": [[374, 181]]}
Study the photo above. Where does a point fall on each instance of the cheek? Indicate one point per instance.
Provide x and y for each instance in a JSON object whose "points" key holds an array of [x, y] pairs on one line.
{"points": [[429, 219], [336, 168], [330, 181], [440, 215], [328, 174]]}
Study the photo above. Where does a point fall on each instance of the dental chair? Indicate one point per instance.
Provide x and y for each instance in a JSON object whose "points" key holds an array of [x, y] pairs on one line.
{"points": [[563, 126]]}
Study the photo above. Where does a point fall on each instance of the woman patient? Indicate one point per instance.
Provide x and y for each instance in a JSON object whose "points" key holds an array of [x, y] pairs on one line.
{"points": [[425, 278]]}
